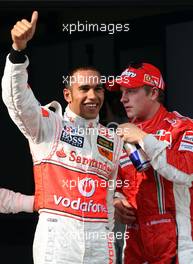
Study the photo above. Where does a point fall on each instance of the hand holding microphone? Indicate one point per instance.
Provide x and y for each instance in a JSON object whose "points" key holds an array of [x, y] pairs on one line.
{"points": [[133, 134]]}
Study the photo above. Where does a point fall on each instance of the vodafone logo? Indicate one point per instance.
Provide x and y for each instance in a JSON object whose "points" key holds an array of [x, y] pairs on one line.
{"points": [[86, 187], [78, 205]]}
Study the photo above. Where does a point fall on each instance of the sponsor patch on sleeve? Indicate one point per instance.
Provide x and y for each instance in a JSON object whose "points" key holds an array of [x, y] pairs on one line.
{"points": [[187, 141]]}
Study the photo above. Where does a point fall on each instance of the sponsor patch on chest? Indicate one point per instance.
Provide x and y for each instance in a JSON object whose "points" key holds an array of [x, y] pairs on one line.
{"points": [[74, 140], [106, 153], [187, 141], [188, 136], [103, 142]]}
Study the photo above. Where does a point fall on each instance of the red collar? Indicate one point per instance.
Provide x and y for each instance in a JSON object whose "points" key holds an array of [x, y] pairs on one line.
{"points": [[150, 125]]}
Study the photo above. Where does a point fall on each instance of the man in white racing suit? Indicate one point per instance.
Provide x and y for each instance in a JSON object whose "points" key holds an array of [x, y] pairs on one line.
{"points": [[75, 158]]}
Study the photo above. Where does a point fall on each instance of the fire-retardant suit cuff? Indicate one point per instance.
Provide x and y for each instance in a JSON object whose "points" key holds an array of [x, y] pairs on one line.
{"points": [[17, 56], [26, 203]]}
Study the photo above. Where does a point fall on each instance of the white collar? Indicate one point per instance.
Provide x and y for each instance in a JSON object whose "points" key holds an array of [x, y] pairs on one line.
{"points": [[79, 121]]}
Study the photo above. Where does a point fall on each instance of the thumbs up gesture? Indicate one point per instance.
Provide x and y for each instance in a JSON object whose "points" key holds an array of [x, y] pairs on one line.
{"points": [[23, 31]]}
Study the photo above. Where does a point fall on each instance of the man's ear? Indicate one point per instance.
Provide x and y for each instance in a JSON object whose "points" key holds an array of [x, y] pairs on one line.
{"points": [[67, 95], [154, 93]]}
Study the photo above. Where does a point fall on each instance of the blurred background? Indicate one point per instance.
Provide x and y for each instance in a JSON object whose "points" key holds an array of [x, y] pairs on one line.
{"points": [[159, 32]]}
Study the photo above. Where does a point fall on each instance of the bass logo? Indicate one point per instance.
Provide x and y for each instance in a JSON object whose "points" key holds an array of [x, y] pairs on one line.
{"points": [[76, 141]]}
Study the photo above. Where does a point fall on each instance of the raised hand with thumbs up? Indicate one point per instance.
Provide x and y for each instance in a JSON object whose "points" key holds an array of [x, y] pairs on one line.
{"points": [[23, 31]]}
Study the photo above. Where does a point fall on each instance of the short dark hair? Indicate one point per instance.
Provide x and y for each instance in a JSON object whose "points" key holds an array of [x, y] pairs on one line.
{"points": [[161, 94], [81, 68]]}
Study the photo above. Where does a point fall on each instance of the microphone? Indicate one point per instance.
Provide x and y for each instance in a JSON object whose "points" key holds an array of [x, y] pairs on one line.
{"points": [[137, 156]]}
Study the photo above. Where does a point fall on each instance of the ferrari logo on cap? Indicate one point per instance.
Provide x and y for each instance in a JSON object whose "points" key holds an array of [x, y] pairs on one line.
{"points": [[149, 79]]}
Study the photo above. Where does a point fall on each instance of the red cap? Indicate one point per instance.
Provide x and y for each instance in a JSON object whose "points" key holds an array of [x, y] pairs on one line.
{"points": [[135, 77]]}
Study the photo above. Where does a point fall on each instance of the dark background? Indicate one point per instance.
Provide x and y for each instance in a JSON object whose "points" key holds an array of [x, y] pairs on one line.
{"points": [[160, 33]]}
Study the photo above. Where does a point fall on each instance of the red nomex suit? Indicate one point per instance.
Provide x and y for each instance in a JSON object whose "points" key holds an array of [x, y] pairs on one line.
{"points": [[162, 194]]}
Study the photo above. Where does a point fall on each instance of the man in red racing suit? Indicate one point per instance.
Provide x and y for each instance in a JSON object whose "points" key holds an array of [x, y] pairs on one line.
{"points": [[75, 158], [159, 220]]}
